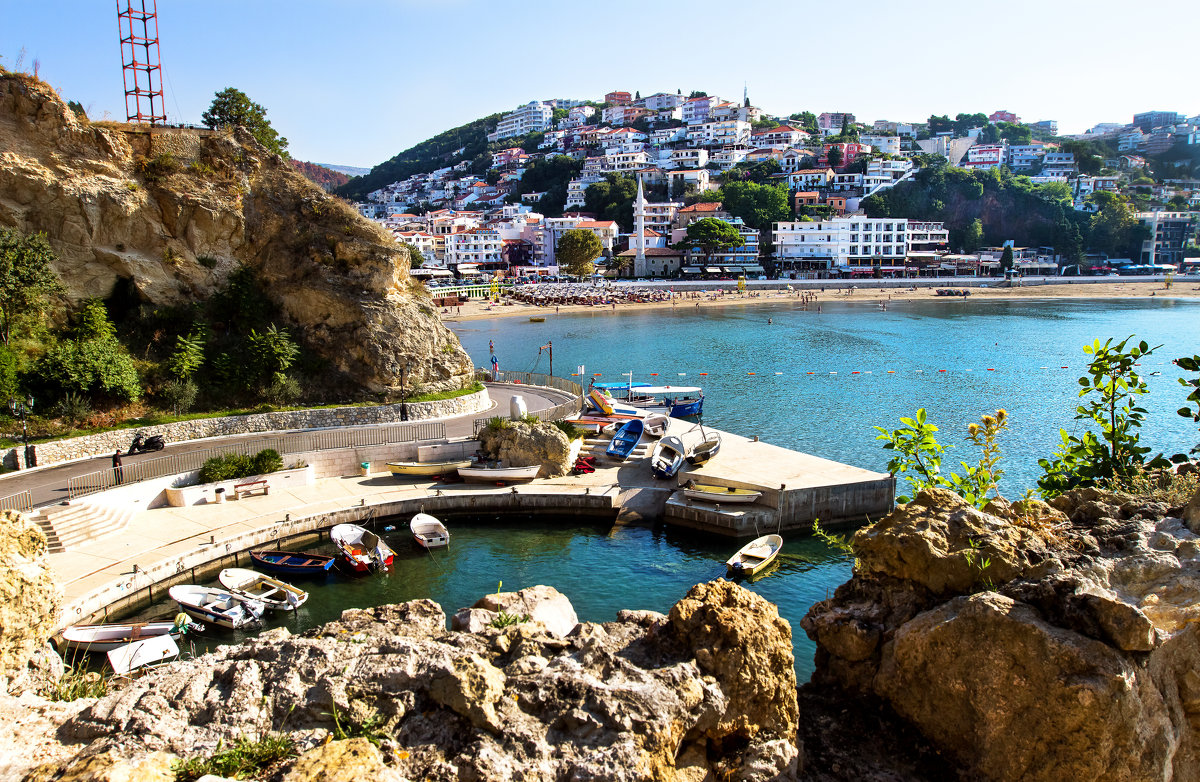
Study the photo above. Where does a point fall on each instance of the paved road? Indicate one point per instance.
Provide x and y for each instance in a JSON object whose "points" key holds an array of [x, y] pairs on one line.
{"points": [[49, 484]]}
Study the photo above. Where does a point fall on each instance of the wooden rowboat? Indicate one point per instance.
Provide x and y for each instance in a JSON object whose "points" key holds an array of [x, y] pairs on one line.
{"points": [[755, 556], [106, 637], [626, 439], [273, 593], [361, 550], [216, 606], [667, 457], [722, 494], [656, 424], [140, 654], [499, 474], [705, 450], [428, 531], [292, 563], [427, 468]]}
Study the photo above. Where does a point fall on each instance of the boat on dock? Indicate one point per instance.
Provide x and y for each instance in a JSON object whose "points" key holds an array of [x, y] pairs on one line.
{"points": [[106, 637], [755, 556], [483, 474], [428, 531], [667, 457], [704, 450], [399, 469], [626, 439], [722, 494], [611, 407], [216, 606], [361, 550], [656, 424], [271, 592], [292, 563]]}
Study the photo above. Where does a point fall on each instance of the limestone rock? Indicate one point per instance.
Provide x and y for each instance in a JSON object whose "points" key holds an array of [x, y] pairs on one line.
{"points": [[350, 760], [1191, 513], [542, 604], [471, 687], [111, 766], [520, 444], [30, 601], [119, 204]]}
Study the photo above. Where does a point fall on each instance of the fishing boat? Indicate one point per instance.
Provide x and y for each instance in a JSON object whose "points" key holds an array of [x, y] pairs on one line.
{"points": [[428, 531], [427, 468], [362, 550], [216, 606], [656, 424], [106, 637], [140, 654], [674, 401], [704, 450], [483, 474], [667, 457], [292, 563], [273, 593], [755, 556], [722, 494], [626, 439]]}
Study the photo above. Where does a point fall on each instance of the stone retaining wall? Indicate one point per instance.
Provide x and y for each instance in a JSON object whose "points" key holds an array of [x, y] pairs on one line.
{"points": [[107, 442]]}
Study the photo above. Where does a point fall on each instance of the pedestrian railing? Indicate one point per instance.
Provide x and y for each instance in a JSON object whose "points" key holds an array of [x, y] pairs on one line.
{"points": [[299, 442], [21, 501], [556, 413], [540, 379]]}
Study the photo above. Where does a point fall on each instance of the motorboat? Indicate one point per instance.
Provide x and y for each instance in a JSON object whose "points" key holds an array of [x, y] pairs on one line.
{"points": [[141, 654], [106, 637], [611, 407], [361, 550], [722, 494], [667, 457], [428, 531], [216, 606], [595, 424], [626, 439], [674, 401], [427, 468], [704, 450], [755, 556], [483, 474], [656, 424], [292, 563], [271, 592]]}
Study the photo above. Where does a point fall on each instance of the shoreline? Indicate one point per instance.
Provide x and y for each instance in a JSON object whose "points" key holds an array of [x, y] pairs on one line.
{"points": [[865, 294]]}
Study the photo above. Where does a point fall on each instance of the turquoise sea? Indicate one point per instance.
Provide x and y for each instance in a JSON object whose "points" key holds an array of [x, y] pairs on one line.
{"points": [[995, 354]]}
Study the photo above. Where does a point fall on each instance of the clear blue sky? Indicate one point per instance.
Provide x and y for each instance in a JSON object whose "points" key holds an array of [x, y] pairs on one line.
{"points": [[356, 81]]}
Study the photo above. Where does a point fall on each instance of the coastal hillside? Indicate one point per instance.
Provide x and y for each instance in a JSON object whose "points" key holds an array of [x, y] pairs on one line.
{"points": [[318, 174], [171, 214]]}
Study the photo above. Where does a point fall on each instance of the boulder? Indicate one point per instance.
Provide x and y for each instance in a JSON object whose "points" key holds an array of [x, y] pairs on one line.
{"points": [[30, 601], [349, 760], [522, 444], [1191, 513], [544, 605]]}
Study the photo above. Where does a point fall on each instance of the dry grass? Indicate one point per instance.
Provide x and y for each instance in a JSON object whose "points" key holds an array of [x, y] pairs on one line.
{"points": [[1165, 486]]}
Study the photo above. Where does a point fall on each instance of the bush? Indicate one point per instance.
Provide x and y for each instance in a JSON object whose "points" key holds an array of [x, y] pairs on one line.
{"points": [[231, 466], [282, 390], [265, 461], [90, 366], [179, 395], [572, 431], [73, 408]]}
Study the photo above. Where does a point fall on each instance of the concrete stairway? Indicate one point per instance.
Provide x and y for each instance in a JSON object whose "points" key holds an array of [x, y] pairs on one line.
{"points": [[68, 525]]}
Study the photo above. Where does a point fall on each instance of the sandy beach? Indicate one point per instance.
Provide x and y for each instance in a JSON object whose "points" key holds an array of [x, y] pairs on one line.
{"points": [[1180, 288]]}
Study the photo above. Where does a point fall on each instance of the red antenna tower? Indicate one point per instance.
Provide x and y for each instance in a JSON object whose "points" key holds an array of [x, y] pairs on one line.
{"points": [[138, 23]]}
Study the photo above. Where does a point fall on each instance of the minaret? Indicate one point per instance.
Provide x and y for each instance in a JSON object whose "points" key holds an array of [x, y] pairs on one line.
{"points": [[639, 222]]}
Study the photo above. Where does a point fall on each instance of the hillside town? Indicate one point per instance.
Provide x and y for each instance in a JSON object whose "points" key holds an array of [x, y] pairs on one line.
{"points": [[696, 157]]}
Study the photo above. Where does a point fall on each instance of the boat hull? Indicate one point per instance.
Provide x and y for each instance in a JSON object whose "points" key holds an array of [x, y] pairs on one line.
{"points": [[361, 550], [756, 556], [667, 458], [428, 532], [288, 563], [271, 592], [704, 452], [626, 439], [499, 474], [427, 468], [214, 606], [722, 494], [105, 638]]}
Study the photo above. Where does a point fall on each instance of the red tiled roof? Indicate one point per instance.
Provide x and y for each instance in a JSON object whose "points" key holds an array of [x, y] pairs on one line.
{"points": [[650, 251], [596, 224], [709, 206]]}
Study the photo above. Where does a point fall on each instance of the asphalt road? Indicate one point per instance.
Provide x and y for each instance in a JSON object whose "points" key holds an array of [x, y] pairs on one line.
{"points": [[47, 485]]}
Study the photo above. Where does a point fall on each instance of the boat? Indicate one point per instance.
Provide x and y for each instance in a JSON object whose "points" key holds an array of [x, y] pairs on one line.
{"points": [[611, 407], [704, 450], [596, 424], [483, 474], [428, 531], [427, 468], [361, 550], [667, 457], [106, 637], [755, 556], [674, 401], [656, 424], [273, 593], [537, 319], [292, 563], [723, 494], [139, 654], [626, 439], [216, 606]]}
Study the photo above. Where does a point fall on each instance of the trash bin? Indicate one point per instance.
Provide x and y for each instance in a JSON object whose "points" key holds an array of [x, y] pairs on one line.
{"points": [[220, 492], [364, 469], [516, 408]]}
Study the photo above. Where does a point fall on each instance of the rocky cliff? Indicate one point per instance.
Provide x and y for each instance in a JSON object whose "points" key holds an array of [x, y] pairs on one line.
{"points": [[1028, 641], [30, 600], [176, 210]]}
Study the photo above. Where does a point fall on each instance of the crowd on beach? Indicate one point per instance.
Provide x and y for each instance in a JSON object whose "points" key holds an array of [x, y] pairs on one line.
{"points": [[554, 294]]}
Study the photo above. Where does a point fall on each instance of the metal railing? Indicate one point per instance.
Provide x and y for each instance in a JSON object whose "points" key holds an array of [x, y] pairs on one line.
{"points": [[300, 442], [21, 501], [540, 379], [555, 413]]}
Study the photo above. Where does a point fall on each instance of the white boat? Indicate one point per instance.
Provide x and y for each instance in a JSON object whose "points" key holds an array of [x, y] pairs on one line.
{"points": [[216, 606], [427, 468], [720, 494], [274, 594], [667, 457], [656, 424], [428, 531], [754, 557], [704, 450], [499, 474], [361, 549], [139, 654], [106, 637], [609, 406]]}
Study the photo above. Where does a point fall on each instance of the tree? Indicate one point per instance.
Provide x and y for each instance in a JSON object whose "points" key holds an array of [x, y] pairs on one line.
{"points": [[1006, 259], [835, 157], [1112, 225], [233, 107], [270, 354], [712, 236], [26, 280], [188, 356], [415, 257], [576, 250], [972, 236], [92, 362], [698, 94], [757, 205]]}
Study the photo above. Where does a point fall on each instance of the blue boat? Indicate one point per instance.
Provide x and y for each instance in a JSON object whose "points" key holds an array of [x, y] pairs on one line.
{"points": [[626, 439], [292, 563]]}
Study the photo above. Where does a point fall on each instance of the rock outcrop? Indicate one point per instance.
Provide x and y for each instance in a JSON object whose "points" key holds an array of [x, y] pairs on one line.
{"points": [[30, 600], [173, 211], [522, 444], [1027, 641], [706, 693]]}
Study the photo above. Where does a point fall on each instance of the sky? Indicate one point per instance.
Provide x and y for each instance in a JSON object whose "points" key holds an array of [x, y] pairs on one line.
{"points": [[354, 82]]}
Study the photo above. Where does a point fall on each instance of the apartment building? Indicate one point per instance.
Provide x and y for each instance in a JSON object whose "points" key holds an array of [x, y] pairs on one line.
{"points": [[578, 116], [662, 101], [1022, 157], [554, 228], [623, 114], [533, 116], [1058, 164], [850, 152], [479, 245], [782, 137], [688, 158], [891, 169], [1004, 116], [699, 109], [809, 178], [618, 98], [1149, 120], [831, 120], [887, 144], [1170, 233], [717, 134], [1046, 125], [904, 129], [821, 246], [734, 261], [985, 157]]}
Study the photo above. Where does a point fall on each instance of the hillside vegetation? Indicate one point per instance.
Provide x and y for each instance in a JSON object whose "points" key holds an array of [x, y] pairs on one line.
{"points": [[318, 174]]}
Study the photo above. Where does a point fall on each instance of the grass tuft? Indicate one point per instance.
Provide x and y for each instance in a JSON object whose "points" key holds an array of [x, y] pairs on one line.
{"points": [[244, 759]]}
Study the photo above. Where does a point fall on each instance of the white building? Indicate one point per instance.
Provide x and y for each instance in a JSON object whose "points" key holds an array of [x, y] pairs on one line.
{"points": [[554, 228], [699, 109], [480, 245], [732, 132], [891, 169], [781, 137], [578, 116], [841, 242], [1024, 156], [661, 101], [985, 157], [533, 116], [886, 144], [1058, 164]]}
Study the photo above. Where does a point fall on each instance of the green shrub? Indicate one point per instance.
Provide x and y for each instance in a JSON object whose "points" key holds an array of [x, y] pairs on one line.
{"points": [[283, 390], [207, 261], [226, 467], [179, 395], [244, 759], [497, 424], [158, 168], [266, 460], [572, 431], [73, 408], [90, 366]]}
